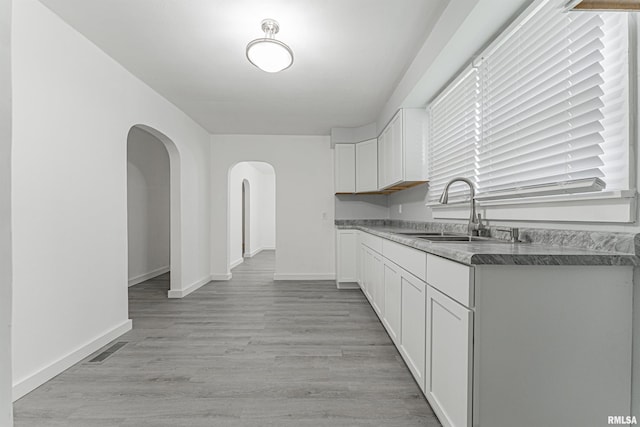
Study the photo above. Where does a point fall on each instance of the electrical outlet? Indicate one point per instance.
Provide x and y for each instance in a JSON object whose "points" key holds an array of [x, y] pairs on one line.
{"points": [[399, 208]]}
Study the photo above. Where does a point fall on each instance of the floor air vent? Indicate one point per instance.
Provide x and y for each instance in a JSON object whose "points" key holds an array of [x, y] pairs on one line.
{"points": [[108, 352]]}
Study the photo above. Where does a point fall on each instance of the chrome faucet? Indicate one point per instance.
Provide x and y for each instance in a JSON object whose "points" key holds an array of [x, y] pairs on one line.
{"points": [[475, 227]]}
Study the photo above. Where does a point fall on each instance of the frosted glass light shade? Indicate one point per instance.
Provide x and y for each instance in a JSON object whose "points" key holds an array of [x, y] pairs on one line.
{"points": [[269, 55]]}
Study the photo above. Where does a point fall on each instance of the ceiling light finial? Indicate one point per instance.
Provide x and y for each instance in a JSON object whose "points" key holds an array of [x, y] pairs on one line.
{"points": [[267, 53]]}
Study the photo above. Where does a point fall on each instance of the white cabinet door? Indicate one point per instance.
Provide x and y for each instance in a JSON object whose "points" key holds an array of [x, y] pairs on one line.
{"points": [[413, 324], [345, 168], [362, 269], [346, 259], [392, 300], [383, 143], [368, 265], [391, 153], [367, 166], [378, 284], [449, 363], [395, 150], [402, 155]]}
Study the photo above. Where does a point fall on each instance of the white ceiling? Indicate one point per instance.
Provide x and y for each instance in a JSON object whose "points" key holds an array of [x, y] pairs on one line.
{"points": [[349, 56]]}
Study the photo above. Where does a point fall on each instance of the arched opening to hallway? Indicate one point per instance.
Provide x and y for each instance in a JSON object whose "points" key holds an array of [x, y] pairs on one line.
{"points": [[152, 229], [252, 211]]}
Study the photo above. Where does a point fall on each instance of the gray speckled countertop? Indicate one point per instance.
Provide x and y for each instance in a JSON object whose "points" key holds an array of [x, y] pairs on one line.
{"points": [[509, 253]]}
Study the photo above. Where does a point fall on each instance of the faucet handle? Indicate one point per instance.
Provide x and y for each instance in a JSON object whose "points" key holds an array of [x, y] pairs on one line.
{"points": [[514, 233], [482, 230]]}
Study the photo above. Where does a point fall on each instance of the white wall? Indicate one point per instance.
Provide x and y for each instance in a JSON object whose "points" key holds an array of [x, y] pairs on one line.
{"points": [[464, 27], [148, 206], [73, 108], [635, 384], [6, 418], [409, 205], [266, 218], [262, 198], [304, 201], [361, 206]]}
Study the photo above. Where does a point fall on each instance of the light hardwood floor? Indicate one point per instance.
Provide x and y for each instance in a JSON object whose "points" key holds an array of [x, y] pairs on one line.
{"points": [[248, 352]]}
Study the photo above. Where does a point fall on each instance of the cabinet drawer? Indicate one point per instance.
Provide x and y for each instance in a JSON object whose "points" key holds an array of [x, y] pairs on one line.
{"points": [[412, 260], [451, 278], [373, 242]]}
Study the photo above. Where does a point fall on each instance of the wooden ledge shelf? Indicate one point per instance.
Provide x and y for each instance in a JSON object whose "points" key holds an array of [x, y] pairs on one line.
{"points": [[391, 190], [604, 5]]}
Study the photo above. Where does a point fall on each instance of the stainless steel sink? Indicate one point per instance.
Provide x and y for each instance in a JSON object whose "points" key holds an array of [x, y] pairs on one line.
{"points": [[461, 239], [422, 233], [450, 237]]}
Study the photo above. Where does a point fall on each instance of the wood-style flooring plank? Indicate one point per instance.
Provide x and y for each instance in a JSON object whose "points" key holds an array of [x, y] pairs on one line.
{"points": [[248, 352]]}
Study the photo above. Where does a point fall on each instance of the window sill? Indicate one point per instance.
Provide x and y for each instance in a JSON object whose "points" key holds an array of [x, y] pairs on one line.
{"points": [[607, 207]]}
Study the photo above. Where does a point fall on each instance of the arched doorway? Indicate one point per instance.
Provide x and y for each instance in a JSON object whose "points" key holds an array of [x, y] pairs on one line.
{"points": [[153, 221], [252, 210]]}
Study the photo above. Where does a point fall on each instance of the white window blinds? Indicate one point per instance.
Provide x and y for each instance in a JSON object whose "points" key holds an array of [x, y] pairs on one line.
{"points": [[454, 134], [554, 104]]}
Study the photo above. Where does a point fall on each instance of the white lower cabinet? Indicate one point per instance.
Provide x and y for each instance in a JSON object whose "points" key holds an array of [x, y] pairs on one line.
{"points": [[449, 346], [412, 345], [506, 345], [397, 296], [392, 300], [346, 258]]}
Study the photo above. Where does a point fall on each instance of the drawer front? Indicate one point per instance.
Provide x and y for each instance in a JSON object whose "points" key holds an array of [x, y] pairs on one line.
{"points": [[373, 242], [412, 260], [451, 278]]}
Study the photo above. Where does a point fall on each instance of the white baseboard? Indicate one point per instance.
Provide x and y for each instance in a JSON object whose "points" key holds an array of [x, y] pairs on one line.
{"points": [[254, 253], [294, 276], [236, 263], [33, 381], [181, 293], [225, 277], [150, 275], [347, 285], [257, 251]]}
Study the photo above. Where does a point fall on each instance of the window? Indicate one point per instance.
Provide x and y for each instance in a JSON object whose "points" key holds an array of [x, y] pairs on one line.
{"points": [[544, 109], [454, 134]]}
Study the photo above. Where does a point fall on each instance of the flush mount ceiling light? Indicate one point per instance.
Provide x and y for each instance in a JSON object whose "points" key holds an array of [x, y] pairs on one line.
{"points": [[267, 53], [603, 5]]}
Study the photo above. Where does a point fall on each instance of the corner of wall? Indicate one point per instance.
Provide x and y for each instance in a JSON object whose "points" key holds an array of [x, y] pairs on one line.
{"points": [[6, 282]]}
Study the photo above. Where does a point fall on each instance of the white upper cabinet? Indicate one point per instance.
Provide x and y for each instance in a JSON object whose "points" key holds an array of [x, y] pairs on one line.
{"points": [[345, 168], [402, 149], [367, 166]]}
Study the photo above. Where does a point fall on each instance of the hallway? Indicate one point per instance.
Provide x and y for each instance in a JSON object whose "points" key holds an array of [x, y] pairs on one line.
{"points": [[248, 352]]}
